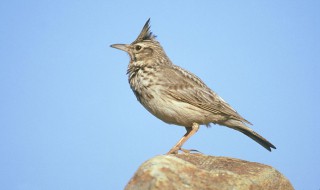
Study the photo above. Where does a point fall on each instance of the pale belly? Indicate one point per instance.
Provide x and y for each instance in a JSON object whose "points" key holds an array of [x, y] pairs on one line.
{"points": [[179, 113]]}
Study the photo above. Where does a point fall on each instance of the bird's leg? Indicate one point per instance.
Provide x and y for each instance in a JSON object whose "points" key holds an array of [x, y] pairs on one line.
{"points": [[190, 131]]}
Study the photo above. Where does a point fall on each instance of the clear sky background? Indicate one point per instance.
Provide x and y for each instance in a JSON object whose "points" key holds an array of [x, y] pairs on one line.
{"points": [[69, 120]]}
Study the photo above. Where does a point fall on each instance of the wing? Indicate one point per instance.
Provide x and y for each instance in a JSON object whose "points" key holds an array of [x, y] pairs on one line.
{"points": [[190, 89]]}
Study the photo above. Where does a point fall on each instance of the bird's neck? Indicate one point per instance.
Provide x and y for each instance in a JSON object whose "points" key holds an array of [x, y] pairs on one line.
{"points": [[135, 66]]}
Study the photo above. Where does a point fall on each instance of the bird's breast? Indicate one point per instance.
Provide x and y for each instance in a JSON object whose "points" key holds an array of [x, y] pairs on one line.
{"points": [[142, 82]]}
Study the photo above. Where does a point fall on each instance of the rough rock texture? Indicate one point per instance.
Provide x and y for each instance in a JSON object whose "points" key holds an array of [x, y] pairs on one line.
{"points": [[198, 171]]}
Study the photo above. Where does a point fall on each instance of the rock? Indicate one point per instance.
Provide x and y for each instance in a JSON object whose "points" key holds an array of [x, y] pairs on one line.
{"points": [[202, 172]]}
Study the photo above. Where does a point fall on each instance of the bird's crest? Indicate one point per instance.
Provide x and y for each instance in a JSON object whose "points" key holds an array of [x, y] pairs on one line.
{"points": [[145, 33]]}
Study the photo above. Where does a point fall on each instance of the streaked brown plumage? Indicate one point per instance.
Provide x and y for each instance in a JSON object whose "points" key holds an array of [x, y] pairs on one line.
{"points": [[175, 95]]}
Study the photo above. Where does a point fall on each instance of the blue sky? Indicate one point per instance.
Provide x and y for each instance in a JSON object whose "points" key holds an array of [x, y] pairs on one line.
{"points": [[70, 121]]}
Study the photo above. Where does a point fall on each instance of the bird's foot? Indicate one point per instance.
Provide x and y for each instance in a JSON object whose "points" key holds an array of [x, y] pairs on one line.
{"points": [[175, 150], [189, 151]]}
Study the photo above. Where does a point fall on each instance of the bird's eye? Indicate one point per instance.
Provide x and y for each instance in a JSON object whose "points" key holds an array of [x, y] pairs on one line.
{"points": [[138, 47]]}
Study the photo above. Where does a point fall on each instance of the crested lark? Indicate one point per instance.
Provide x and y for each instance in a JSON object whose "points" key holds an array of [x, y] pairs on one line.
{"points": [[175, 95]]}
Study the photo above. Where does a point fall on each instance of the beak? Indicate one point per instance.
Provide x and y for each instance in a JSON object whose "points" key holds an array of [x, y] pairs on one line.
{"points": [[123, 47]]}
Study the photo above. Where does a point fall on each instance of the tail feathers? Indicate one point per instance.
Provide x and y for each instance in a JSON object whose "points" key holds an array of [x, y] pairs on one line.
{"points": [[256, 137], [239, 126]]}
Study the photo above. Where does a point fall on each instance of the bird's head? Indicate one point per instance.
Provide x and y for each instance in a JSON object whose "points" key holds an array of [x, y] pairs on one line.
{"points": [[145, 48]]}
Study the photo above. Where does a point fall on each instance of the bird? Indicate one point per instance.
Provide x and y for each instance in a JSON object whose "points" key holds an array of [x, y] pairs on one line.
{"points": [[175, 95]]}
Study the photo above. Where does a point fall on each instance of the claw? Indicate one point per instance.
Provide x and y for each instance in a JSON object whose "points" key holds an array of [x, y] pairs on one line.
{"points": [[189, 151], [176, 150]]}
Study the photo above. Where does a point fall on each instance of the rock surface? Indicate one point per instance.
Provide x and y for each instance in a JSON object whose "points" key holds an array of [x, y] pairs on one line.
{"points": [[202, 172]]}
